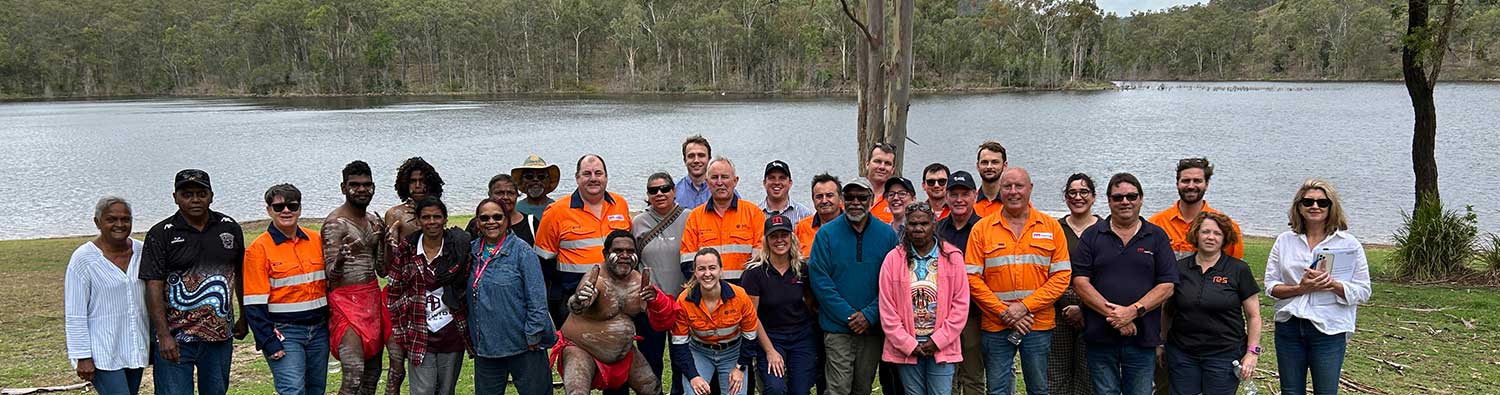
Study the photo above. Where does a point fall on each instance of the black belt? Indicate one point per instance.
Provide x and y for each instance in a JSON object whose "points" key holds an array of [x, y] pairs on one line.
{"points": [[718, 347]]}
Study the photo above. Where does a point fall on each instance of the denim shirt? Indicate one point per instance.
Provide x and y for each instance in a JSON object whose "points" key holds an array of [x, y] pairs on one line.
{"points": [[507, 301]]}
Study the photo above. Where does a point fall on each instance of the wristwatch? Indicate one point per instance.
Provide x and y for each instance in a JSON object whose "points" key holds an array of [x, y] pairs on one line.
{"points": [[1140, 309], [1254, 350]]}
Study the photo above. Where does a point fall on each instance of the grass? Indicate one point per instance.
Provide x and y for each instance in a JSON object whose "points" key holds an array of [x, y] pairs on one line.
{"points": [[1425, 330]]}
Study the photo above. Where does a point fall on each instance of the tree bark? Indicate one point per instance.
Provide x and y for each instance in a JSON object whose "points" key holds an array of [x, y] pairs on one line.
{"points": [[901, 73], [1414, 58]]}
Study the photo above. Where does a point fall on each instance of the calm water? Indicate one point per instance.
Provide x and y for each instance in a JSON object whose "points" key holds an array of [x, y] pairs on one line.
{"points": [[1264, 141]]}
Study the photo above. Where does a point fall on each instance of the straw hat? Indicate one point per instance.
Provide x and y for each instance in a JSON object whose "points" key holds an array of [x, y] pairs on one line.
{"points": [[536, 162]]}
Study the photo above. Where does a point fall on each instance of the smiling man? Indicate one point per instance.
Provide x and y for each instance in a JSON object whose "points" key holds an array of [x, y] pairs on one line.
{"points": [[352, 237], [879, 169], [778, 183], [692, 189], [572, 229], [1193, 175], [726, 223]]}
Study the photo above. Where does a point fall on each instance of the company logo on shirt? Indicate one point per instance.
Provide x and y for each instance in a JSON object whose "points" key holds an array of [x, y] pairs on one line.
{"points": [[177, 239], [1221, 280], [1143, 250], [616, 217], [1042, 235], [228, 240]]}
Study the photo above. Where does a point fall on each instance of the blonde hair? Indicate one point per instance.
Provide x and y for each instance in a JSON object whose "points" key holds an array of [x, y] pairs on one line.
{"points": [[1336, 220], [794, 254]]}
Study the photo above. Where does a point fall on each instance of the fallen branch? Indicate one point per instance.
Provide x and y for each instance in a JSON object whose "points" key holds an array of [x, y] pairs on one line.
{"points": [[1467, 323], [1416, 309], [1352, 385], [1399, 367], [38, 390]]}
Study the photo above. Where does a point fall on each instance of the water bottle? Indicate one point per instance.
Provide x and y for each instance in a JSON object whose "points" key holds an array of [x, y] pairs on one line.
{"points": [[1247, 386], [1015, 337]]}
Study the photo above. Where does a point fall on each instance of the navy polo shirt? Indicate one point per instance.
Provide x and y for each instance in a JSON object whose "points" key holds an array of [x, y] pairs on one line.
{"points": [[1123, 272], [957, 236], [783, 308]]}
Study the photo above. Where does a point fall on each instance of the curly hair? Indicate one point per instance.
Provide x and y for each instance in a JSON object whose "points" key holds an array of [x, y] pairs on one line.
{"points": [[430, 177], [1225, 226]]}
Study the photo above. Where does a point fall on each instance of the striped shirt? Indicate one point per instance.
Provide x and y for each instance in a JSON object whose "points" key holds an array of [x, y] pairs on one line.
{"points": [[105, 310]]}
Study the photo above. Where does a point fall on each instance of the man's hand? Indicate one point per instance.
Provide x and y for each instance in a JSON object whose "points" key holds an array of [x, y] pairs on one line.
{"points": [[858, 324], [927, 348], [1014, 312], [167, 346], [1073, 315], [86, 369], [583, 297], [241, 328], [1128, 330], [775, 364], [648, 292], [1023, 325], [700, 386], [736, 380], [1120, 315]]}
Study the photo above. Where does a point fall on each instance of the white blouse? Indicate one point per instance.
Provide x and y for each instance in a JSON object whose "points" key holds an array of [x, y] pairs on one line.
{"points": [[105, 313], [1331, 314]]}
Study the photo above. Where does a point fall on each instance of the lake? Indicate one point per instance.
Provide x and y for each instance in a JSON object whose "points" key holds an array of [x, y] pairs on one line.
{"points": [[1264, 139]]}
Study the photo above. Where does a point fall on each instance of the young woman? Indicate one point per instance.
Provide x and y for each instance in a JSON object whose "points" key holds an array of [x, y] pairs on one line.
{"points": [[777, 284], [1067, 367], [1213, 317], [924, 305], [715, 317]]}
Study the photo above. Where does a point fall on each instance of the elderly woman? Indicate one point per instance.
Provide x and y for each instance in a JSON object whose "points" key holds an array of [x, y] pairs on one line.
{"points": [[506, 302], [777, 285], [1318, 276], [715, 317], [105, 304], [924, 305], [658, 232], [1067, 369], [1213, 318]]}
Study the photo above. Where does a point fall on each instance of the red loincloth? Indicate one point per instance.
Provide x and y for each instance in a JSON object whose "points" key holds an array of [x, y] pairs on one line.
{"points": [[361, 307], [610, 376]]}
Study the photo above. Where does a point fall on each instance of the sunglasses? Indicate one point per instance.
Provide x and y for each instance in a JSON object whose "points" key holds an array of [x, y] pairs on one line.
{"points": [[659, 189], [1120, 197], [857, 197], [937, 182], [293, 207], [1321, 203], [534, 176], [490, 218], [1079, 193]]}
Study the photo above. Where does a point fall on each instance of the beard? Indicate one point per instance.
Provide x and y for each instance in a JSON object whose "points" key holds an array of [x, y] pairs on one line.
{"points": [[1190, 197], [535, 190], [856, 216]]}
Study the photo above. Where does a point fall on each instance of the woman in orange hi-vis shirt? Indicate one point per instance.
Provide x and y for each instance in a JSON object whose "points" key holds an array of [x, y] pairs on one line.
{"points": [[715, 317]]}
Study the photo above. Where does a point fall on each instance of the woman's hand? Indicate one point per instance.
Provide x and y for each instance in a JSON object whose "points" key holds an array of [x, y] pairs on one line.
{"points": [[86, 369], [736, 380], [700, 386], [775, 364], [1247, 366]]}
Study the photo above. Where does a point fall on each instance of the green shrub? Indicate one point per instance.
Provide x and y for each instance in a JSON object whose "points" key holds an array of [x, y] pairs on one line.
{"points": [[1489, 253], [1435, 244]]}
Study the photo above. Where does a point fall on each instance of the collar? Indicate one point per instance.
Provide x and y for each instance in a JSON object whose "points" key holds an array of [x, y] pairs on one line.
{"points": [[937, 248], [1105, 226], [1033, 216], [278, 237], [1177, 210], [180, 221], [576, 200], [725, 292], [817, 220], [734, 202], [980, 191], [1223, 257], [688, 182], [422, 252], [973, 219], [765, 205]]}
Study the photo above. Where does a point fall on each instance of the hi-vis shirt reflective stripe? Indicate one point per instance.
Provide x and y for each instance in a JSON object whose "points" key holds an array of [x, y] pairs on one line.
{"points": [[1031, 268], [734, 317], [286, 277], [736, 234], [573, 235]]}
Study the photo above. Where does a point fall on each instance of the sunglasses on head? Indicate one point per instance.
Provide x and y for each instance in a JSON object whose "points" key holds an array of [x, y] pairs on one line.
{"points": [[1120, 197], [292, 206], [937, 182], [1321, 203], [489, 218], [659, 189]]}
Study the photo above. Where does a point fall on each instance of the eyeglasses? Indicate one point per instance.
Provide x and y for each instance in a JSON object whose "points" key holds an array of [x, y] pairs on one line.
{"points": [[1079, 193], [490, 218], [1322, 203], [900, 193], [936, 182], [292, 206], [856, 197], [1120, 197], [659, 189]]}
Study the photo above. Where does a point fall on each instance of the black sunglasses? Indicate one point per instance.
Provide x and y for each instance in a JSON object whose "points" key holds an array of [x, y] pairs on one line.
{"points": [[1321, 203], [534, 176], [937, 182], [1120, 197], [659, 189], [488, 218], [857, 197], [279, 207]]}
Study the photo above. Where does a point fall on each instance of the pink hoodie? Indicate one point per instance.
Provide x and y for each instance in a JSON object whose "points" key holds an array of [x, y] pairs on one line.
{"points": [[896, 307]]}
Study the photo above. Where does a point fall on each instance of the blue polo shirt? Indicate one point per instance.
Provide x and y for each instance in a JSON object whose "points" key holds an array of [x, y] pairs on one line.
{"points": [[1123, 272], [690, 195]]}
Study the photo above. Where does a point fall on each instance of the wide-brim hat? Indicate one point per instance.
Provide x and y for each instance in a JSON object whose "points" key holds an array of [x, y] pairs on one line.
{"points": [[536, 163]]}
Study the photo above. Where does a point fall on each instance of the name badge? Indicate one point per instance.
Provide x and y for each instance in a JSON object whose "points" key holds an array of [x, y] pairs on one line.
{"points": [[616, 217], [1042, 235]]}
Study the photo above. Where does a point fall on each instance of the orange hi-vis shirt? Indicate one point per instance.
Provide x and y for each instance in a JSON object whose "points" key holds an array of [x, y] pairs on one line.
{"points": [[881, 208], [1171, 220], [733, 318], [1032, 268], [984, 206], [807, 229], [575, 236], [736, 234], [285, 273]]}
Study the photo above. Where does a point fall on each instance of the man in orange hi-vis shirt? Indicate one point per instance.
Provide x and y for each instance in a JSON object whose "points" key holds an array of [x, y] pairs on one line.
{"points": [[1193, 175], [726, 223], [572, 230]]}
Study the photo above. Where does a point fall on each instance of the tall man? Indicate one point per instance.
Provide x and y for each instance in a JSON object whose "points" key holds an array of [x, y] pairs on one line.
{"points": [[1018, 267], [1193, 175], [692, 189], [969, 379], [879, 169], [1123, 273], [846, 258], [538, 179], [828, 205], [352, 238], [778, 183], [726, 223], [935, 183], [571, 230], [991, 162], [191, 263]]}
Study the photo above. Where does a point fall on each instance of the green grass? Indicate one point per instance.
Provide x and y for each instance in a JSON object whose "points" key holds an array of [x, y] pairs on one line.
{"points": [[1440, 353]]}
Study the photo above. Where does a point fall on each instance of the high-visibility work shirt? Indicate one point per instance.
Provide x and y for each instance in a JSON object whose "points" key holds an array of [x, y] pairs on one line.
{"points": [[284, 283], [736, 234], [572, 234], [1171, 220], [807, 229], [733, 319], [881, 208], [984, 206], [1031, 268]]}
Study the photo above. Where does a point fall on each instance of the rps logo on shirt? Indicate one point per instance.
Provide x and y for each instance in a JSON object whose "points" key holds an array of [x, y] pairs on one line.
{"points": [[1220, 280], [1143, 250]]}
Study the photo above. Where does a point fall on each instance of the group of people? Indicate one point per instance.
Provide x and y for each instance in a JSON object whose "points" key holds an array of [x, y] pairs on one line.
{"points": [[867, 284]]}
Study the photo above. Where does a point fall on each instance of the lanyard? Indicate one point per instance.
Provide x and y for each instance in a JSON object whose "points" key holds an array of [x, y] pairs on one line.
{"points": [[486, 264]]}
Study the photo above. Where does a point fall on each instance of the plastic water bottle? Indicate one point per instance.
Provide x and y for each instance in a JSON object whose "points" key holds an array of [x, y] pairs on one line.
{"points": [[1015, 337], [1247, 386]]}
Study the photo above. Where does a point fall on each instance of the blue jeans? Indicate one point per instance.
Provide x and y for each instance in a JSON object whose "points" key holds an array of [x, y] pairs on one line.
{"points": [[118, 382], [799, 350], [927, 377], [210, 359], [1121, 369], [304, 369], [1212, 374], [1300, 347], [530, 369], [1000, 361], [711, 363]]}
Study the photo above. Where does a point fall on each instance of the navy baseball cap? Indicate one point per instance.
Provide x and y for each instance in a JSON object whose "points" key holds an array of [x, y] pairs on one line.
{"points": [[961, 179], [778, 222], [192, 177]]}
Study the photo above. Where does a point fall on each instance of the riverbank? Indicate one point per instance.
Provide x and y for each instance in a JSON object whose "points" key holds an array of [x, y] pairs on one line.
{"points": [[1411, 339]]}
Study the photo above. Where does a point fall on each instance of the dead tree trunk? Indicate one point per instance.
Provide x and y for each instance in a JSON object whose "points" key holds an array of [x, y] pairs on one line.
{"points": [[900, 72]]}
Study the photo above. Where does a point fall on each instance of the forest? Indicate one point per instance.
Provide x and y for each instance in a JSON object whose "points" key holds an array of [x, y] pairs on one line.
{"points": [[70, 48]]}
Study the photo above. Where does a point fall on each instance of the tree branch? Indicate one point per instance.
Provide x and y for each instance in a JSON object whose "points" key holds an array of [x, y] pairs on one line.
{"points": [[862, 29], [1440, 50]]}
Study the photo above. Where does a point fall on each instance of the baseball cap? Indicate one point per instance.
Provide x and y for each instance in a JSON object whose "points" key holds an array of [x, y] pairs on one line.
{"points": [[860, 182], [778, 222], [777, 165], [902, 181], [961, 179], [192, 177]]}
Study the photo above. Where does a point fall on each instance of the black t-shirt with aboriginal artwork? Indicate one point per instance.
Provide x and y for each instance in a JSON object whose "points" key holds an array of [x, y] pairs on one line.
{"points": [[199, 268]]}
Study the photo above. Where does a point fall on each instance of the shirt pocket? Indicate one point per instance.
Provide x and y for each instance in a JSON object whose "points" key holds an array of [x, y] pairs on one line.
{"points": [[283, 268]]}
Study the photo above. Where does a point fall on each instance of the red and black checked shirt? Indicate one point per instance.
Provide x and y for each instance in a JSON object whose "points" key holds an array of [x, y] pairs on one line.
{"points": [[411, 276]]}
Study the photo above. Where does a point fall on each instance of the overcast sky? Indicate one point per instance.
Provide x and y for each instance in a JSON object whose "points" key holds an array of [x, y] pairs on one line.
{"points": [[1123, 7]]}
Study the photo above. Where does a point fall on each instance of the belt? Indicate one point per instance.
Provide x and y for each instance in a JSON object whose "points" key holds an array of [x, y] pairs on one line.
{"points": [[718, 347]]}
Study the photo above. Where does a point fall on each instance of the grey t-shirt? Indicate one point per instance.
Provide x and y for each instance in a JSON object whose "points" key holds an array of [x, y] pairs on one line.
{"points": [[664, 253]]}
